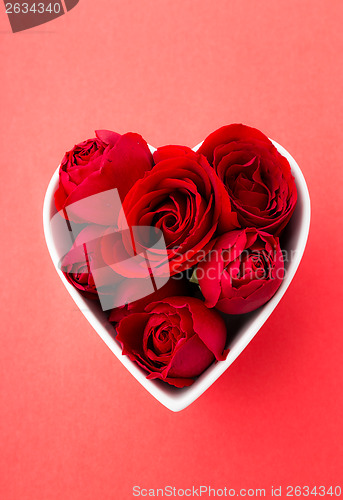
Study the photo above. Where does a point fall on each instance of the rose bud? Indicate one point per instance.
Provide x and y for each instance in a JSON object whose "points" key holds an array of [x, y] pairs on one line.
{"points": [[242, 272], [174, 340], [110, 161], [184, 198], [257, 177]]}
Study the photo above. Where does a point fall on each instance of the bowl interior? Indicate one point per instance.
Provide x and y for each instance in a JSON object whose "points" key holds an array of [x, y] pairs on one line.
{"points": [[241, 328]]}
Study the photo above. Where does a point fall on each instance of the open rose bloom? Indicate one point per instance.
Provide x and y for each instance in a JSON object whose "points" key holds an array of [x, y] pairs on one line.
{"points": [[176, 245], [243, 271]]}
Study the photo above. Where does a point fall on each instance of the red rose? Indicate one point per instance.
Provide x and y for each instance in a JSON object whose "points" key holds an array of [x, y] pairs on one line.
{"points": [[174, 340], [257, 177], [183, 197], [84, 263], [242, 272], [110, 161], [86, 269]]}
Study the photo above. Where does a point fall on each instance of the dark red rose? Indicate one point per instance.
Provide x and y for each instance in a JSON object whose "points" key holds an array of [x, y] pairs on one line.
{"points": [[242, 272], [84, 263], [174, 340], [257, 177], [123, 284], [110, 161], [184, 198], [175, 286]]}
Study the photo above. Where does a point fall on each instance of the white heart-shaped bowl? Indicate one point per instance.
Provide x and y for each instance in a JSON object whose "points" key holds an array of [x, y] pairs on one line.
{"points": [[244, 327]]}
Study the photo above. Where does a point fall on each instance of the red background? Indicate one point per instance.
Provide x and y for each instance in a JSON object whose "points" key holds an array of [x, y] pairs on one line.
{"points": [[74, 423]]}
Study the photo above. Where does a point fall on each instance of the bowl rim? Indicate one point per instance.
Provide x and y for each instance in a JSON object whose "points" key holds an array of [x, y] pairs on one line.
{"points": [[177, 400]]}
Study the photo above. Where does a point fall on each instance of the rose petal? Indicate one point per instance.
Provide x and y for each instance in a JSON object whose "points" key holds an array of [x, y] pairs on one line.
{"points": [[191, 359]]}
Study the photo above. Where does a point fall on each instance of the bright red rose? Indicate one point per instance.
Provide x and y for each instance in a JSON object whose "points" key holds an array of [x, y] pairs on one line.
{"points": [[242, 272], [110, 161], [86, 269], [257, 177], [84, 263], [184, 198], [174, 340]]}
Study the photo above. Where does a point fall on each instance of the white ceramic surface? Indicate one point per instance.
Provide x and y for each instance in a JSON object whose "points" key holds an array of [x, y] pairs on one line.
{"points": [[293, 240]]}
